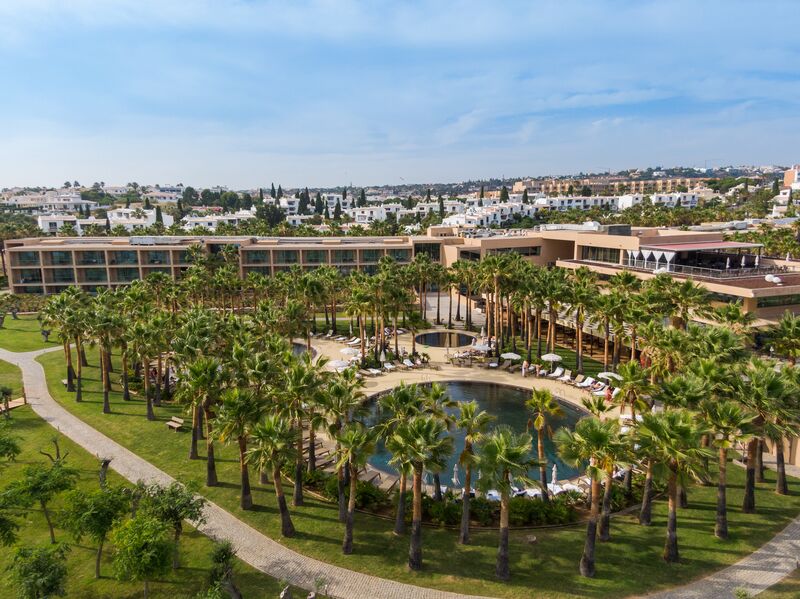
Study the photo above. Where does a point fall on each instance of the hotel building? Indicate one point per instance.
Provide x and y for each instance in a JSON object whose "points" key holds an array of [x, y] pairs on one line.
{"points": [[730, 271]]}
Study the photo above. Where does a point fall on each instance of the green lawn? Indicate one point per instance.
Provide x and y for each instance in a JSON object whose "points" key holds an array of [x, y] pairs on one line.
{"points": [[631, 564], [788, 588], [186, 582], [10, 376], [23, 335]]}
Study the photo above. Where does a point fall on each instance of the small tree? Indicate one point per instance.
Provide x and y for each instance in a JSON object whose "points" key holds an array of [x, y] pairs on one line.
{"points": [[223, 560], [93, 514], [39, 572], [8, 531], [142, 549], [172, 505], [9, 448], [40, 484]]}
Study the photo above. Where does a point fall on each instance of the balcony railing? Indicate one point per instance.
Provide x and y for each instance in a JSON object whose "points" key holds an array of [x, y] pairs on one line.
{"points": [[696, 271]]}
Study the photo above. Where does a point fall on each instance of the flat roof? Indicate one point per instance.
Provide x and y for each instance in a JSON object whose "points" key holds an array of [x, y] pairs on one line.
{"points": [[703, 245]]}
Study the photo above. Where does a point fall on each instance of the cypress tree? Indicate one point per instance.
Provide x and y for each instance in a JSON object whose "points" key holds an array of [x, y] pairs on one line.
{"points": [[337, 211], [128, 202], [525, 196], [108, 224], [159, 216], [362, 199], [318, 205], [302, 207], [441, 206], [147, 205], [504, 194], [279, 195], [481, 196], [428, 195], [272, 191], [261, 195], [327, 213]]}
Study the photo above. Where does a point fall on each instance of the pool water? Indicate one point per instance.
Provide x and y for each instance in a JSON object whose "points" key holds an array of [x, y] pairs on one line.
{"points": [[445, 339], [507, 405]]}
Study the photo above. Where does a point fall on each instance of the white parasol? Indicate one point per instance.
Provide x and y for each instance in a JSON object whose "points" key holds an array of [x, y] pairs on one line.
{"points": [[483, 331], [758, 259], [727, 263], [554, 475], [383, 356], [744, 261], [481, 347], [350, 351], [551, 358], [609, 375], [510, 356]]}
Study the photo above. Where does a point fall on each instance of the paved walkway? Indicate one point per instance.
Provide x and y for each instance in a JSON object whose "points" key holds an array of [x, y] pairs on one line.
{"points": [[763, 568]]}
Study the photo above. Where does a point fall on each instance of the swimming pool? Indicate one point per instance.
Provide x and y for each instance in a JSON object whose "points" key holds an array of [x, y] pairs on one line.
{"points": [[445, 339], [507, 405]]}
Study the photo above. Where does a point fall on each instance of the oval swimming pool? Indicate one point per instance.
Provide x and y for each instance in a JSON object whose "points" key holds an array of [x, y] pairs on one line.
{"points": [[507, 405], [445, 339]]}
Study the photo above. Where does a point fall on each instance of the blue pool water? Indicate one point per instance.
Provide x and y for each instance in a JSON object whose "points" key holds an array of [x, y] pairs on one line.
{"points": [[507, 405], [445, 339]]}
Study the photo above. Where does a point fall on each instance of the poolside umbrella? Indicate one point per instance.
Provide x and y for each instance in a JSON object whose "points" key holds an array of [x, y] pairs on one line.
{"points": [[335, 364], [728, 263], [552, 358], [744, 261], [510, 356], [350, 351], [609, 375], [481, 347], [455, 480], [383, 355], [351, 328], [758, 259], [554, 475], [788, 256], [483, 331]]}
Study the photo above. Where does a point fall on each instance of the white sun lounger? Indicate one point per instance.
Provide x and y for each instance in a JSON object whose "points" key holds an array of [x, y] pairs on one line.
{"points": [[409, 363], [389, 366], [587, 383], [556, 373]]}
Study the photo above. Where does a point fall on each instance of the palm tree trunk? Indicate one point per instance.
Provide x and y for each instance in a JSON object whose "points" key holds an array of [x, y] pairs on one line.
{"points": [[437, 487], [587, 559], [606, 335], [126, 391], [501, 567], [297, 496], [247, 495], [749, 502], [467, 301], [312, 451], [347, 544], [148, 399], [759, 460], [683, 497], [721, 526], [104, 377], [195, 433], [157, 397], [79, 378], [438, 304], [458, 302], [211, 465], [400, 514], [605, 516], [645, 514], [449, 306], [463, 535], [287, 528], [415, 548], [781, 484], [341, 494], [671, 544], [542, 464], [70, 369]]}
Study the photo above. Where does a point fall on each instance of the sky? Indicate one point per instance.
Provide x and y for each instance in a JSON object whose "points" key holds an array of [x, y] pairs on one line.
{"points": [[243, 93]]}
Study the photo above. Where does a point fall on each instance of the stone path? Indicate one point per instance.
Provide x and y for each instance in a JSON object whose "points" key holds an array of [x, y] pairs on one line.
{"points": [[754, 573]]}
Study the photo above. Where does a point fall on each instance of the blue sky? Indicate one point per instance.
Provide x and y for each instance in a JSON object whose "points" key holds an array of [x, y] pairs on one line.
{"points": [[245, 92]]}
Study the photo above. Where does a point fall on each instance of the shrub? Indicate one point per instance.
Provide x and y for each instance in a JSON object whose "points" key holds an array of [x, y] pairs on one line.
{"points": [[368, 496], [443, 513], [483, 511]]}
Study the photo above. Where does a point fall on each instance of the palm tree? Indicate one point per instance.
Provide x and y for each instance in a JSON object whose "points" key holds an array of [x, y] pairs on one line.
{"points": [[785, 337], [203, 384], [240, 411], [542, 405], [426, 445], [140, 339], [356, 444], [503, 456], [273, 446], [729, 422], [674, 436], [594, 442], [583, 298], [474, 425]]}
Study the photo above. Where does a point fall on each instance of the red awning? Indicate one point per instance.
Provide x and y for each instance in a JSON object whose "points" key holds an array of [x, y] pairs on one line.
{"points": [[704, 245]]}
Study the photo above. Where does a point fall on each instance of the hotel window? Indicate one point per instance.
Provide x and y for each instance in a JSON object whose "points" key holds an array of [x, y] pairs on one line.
{"points": [[29, 275], [157, 257], [126, 275], [778, 300], [433, 250], [371, 255], [257, 257], [400, 255], [286, 256], [595, 254], [88, 258], [123, 257], [58, 258], [62, 275], [26, 258], [535, 250], [95, 275], [315, 256], [344, 256]]}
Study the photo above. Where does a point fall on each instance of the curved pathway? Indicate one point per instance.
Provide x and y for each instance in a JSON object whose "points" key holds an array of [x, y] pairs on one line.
{"points": [[763, 568]]}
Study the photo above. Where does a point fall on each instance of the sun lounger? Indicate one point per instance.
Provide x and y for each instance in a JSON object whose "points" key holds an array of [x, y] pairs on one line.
{"points": [[588, 382], [567, 376], [615, 392], [375, 371], [355, 342], [389, 366], [556, 373], [363, 372], [600, 392], [409, 364], [505, 365], [578, 380], [341, 339], [330, 334], [399, 365], [514, 368]]}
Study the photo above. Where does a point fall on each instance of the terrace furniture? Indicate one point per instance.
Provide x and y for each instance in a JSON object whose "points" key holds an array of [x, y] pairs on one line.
{"points": [[65, 382], [175, 423], [588, 382], [409, 364], [556, 373], [514, 368], [400, 365], [389, 366], [567, 376], [330, 334], [354, 343], [600, 392], [578, 379], [505, 365], [492, 364], [375, 371], [366, 373]]}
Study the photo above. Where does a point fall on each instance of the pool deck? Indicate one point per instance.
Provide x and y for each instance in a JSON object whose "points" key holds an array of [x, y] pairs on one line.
{"points": [[446, 373]]}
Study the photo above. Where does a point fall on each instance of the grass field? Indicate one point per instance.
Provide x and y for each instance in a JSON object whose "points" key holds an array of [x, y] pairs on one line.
{"points": [[10, 376], [186, 582], [23, 335], [630, 564]]}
